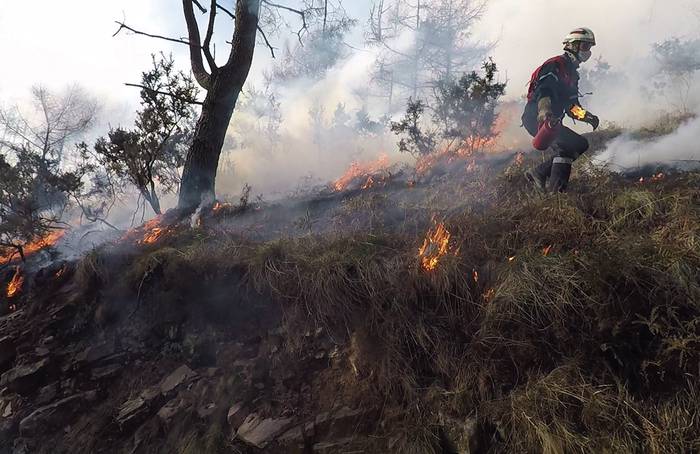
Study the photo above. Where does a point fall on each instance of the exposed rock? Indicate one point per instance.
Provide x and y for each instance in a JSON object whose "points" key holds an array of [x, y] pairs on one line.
{"points": [[237, 415], [132, 411], [25, 378], [6, 408], [96, 352], [181, 375], [52, 416], [136, 410], [47, 394], [42, 351], [8, 352], [170, 410], [259, 432], [106, 372]]}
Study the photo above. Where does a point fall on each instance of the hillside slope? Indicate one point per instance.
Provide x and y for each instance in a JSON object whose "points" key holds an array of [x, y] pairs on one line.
{"points": [[530, 323]]}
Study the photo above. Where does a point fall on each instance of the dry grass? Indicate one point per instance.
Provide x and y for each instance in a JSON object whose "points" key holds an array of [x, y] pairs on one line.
{"points": [[567, 323]]}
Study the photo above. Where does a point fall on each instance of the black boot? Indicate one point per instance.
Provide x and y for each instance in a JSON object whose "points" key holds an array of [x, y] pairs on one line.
{"points": [[561, 171], [538, 175]]}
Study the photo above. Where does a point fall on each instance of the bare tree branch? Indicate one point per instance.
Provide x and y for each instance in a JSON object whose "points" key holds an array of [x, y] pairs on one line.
{"points": [[166, 93], [208, 36], [123, 26], [267, 42], [201, 75], [200, 7], [218, 5], [262, 32], [291, 10]]}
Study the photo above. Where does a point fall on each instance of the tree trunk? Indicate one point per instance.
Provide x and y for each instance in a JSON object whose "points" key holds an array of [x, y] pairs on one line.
{"points": [[224, 86]]}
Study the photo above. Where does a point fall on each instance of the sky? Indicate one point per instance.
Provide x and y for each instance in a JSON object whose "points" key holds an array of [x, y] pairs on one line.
{"points": [[57, 43]]}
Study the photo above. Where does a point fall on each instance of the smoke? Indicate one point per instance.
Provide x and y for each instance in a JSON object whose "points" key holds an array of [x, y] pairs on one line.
{"points": [[633, 90], [679, 149], [631, 87]]}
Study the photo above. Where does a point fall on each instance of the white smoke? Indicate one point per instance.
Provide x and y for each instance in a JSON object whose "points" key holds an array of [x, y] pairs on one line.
{"points": [[680, 148]]}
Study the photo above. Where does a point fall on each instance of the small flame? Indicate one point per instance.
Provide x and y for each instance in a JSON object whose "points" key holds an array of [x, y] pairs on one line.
{"points": [[510, 259], [578, 112], [60, 272], [148, 233], [218, 206], [475, 276], [435, 246], [15, 285], [357, 170], [489, 295], [547, 250]]}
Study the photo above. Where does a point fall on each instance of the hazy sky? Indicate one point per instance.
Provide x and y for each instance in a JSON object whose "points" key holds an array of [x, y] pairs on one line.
{"points": [[55, 43], [58, 42]]}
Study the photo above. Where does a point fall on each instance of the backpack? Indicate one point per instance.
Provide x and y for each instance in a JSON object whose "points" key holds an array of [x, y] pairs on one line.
{"points": [[564, 75]]}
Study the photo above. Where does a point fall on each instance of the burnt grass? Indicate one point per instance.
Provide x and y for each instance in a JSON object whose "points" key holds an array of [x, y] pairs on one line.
{"points": [[557, 323]]}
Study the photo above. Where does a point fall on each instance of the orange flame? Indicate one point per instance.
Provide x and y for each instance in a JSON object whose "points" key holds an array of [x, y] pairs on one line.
{"points": [[218, 206], [435, 245], [357, 170], [153, 231], [15, 285], [578, 112], [47, 240], [149, 232], [547, 250], [489, 295], [60, 272]]}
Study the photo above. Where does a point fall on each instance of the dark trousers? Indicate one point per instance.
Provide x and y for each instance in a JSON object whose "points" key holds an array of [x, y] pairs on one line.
{"points": [[568, 145]]}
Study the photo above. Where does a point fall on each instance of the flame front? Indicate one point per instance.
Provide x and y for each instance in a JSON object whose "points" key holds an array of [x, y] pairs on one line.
{"points": [[578, 112], [357, 170], [30, 248], [15, 285], [153, 231], [435, 245]]}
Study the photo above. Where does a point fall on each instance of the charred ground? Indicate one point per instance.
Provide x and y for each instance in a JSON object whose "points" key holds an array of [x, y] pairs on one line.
{"points": [[551, 323]]}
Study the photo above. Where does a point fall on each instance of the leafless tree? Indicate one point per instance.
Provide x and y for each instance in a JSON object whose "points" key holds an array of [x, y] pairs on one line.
{"points": [[223, 83], [440, 48], [35, 184]]}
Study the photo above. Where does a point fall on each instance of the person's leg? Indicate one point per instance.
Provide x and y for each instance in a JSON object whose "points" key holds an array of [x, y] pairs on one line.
{"points": [[568, 147], [536, 175]]}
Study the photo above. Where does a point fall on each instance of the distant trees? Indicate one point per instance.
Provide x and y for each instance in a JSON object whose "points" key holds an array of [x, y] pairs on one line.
{"points": [[463, 115], [679, 60], [151, 154], [421, 43], [36, 180]]}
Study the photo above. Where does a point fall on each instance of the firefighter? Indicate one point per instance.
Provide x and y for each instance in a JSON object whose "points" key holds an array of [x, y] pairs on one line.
{"points": [[553, 92]]}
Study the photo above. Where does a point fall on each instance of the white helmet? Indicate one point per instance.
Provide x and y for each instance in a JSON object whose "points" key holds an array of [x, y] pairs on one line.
{"points": [[583, 34], [585, 39]]}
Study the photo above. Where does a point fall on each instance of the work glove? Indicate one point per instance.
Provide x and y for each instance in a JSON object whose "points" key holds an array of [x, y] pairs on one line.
{"points": [[592, 120], [544, 109]]}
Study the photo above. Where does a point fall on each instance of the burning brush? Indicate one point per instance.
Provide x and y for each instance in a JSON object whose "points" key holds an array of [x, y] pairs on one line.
{"points": [[46, 241], [14, 288], [370, 174], [150, 232], [435, 246]]}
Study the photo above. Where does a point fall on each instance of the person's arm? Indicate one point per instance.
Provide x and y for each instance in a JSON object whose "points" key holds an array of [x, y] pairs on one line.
{"points": [[547, 88]]}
